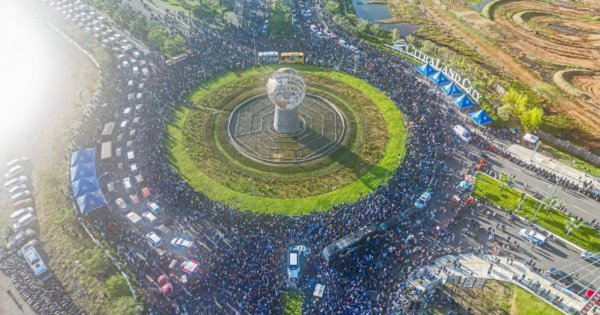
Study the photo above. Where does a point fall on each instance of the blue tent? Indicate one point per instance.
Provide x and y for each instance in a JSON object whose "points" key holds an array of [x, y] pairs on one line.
{"points": [[480, 117], [426, 69], [91, 201], [438, 78], [83, 156], [463, 102], [84, 186], [452, 89], [83, 170]]}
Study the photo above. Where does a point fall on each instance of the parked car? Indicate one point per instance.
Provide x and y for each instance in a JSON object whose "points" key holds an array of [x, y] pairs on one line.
{"points": [[23, 203], [422, 201], [149, 217], [153, 239], [121, 204], [462, 133], [560, 276], [14, 172], [17, 189], [24, 222], [21, 180], [14, 217], [19, 196], [533, 236], [593, 257]]}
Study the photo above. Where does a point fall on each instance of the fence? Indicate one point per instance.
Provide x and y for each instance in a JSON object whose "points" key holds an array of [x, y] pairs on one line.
{"points": [[571, 148]]}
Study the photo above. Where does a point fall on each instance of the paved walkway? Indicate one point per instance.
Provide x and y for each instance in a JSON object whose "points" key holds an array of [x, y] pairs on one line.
{"points": [[472, 266], [549, 163]]}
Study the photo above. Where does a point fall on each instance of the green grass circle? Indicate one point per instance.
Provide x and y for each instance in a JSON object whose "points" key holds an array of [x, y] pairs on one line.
{"points": [[217, 91]]}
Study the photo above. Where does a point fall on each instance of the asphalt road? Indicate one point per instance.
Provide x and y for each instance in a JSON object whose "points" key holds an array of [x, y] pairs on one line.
{"points": [[577, 203]]}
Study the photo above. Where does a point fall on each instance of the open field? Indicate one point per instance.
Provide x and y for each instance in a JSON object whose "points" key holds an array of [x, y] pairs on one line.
{"points": [[496, 298], [201, 151], [524, 42]]}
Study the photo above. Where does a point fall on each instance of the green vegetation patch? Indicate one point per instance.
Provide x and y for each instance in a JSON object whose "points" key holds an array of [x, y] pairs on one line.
{"points": [[292, 302], [200, 150], [527, 303], [554, 221]]}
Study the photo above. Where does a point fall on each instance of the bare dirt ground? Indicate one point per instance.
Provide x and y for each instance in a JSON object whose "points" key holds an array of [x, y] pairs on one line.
{"points": [[529, 41]]}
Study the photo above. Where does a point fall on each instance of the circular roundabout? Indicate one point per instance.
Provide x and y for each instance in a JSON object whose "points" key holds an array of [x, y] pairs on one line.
{"points": [[240, 145]]}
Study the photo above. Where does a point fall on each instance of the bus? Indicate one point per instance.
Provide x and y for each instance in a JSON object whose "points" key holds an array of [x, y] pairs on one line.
{"points": [[265, 57], [292, 57]]}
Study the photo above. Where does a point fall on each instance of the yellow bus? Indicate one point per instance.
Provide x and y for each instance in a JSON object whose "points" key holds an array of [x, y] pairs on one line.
{"points": [[291, 57]]}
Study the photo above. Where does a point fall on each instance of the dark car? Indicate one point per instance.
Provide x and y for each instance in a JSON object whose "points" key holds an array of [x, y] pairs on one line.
{"points": [[561, 277]]}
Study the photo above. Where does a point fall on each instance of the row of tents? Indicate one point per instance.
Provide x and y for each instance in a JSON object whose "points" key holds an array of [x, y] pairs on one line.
{"points": [[84, 181], [459, 97]]}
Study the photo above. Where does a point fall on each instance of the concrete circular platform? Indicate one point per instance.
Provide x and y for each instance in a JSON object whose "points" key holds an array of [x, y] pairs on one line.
{"points": [[250, 128]]}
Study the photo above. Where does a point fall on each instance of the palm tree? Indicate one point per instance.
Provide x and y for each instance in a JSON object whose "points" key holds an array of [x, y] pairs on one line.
{"points": [[572, 224]]}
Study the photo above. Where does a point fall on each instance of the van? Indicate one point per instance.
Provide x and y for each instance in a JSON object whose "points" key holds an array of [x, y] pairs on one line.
{"points": [[14, 217], [462, 133]]}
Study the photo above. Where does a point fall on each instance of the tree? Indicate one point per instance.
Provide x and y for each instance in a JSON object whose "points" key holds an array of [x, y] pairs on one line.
{"points": [[174, 46], [98, 263], [116, 287], [410, 39], [532, 119], [332, 6], [362, 25], [124, 306], [394, 34], [571, 225], [427, 46], [505, 180], [504, 112]]}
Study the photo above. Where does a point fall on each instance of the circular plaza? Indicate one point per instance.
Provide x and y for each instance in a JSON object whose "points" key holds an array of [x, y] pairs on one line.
{"points": [[238, 145]]}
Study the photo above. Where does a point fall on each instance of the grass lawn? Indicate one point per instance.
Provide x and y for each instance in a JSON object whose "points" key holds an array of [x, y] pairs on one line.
{"points": [[496, 298], [554, 221], [572, 161], [292, 302], [257, 194]]}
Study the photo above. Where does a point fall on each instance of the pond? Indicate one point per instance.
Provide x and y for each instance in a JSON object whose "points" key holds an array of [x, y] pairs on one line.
{"points": [[371, 12], [478, 5], [404, 29]]}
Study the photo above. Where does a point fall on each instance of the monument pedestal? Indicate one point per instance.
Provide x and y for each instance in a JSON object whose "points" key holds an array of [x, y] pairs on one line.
{"points": [[286, 120]]}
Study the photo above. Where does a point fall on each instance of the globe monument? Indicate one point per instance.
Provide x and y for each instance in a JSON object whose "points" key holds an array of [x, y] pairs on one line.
{"points": [[286, 124]]}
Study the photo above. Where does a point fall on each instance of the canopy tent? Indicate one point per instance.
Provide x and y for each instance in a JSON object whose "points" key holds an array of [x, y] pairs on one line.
{"points": [[83, 170], [426, 69], [438, 78], [452, 89], [480, 117], [91, 201], [83, 156], [162, 280], [167, 289], [84, 185], [463, 102]]}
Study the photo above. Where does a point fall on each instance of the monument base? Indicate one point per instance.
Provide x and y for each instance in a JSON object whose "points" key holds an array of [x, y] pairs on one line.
{"points": [[286, 121]]}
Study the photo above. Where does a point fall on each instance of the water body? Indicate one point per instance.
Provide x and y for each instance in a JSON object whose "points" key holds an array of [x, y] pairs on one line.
{"points": [[371, 12], [479, 5]]}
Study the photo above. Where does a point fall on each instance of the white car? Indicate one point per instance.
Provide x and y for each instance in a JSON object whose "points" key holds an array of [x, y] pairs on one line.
{"points": [[121, 203], [533, 236], [24, 222], [127, 183], [17, 189], [21, 195], [181, 243], [15, 216], [153, 238], [16, 181], [422, 201]]}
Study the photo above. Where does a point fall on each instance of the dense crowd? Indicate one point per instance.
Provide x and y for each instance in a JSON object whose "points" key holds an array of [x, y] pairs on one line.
{"points": [[242, 257]]}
